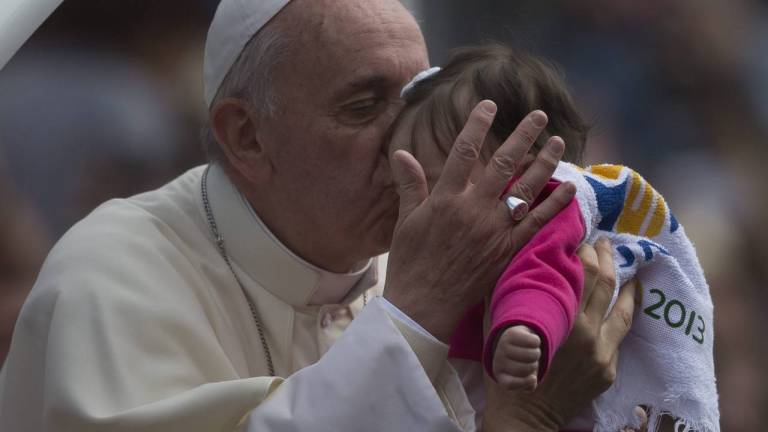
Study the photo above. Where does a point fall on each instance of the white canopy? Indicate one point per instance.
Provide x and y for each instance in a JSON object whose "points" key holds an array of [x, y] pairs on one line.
{"points": [[18, 20]]}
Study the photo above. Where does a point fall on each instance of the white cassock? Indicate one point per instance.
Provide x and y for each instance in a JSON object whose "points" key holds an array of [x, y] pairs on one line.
{"points": [[137, 324]]}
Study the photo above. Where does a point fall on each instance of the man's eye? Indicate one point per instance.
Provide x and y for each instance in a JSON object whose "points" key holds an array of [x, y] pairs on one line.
{"points": [[360, 111]]}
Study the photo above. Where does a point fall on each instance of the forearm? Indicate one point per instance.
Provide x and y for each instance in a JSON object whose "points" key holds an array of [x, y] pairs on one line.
{"points": [[541, 286]]}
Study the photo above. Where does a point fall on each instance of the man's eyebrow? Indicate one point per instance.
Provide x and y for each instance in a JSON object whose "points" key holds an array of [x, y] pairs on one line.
{"points": [[362, 84]]}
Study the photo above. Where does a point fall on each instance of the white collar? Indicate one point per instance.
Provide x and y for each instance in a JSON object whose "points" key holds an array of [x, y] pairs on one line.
{"points": [[260, 254]]}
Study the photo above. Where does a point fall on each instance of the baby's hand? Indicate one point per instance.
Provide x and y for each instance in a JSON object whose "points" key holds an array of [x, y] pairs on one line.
{"points": [[516, 359]]}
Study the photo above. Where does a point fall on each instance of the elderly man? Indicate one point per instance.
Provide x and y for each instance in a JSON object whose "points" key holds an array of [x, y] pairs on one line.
{"points": [[218, 302]]}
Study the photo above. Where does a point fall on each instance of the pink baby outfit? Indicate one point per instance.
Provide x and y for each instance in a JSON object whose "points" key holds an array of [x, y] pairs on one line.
{"points": [[540, 288]]}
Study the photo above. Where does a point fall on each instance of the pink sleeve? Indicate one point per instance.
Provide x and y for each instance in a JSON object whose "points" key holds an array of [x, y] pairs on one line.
{"points": [[541, 287]]}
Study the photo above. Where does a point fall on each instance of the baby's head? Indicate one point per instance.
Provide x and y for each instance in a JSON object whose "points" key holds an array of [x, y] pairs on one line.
{"points": [[437, 107]]}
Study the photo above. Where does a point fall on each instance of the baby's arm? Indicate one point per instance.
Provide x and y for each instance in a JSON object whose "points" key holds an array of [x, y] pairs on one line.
{"points": [[535, 302]]}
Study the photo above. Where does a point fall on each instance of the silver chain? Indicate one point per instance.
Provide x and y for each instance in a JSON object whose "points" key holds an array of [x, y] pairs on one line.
{"points": [[223, 251]]}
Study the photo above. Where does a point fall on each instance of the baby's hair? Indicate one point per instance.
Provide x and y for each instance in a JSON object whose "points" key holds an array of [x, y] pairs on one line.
{"points": [[516, 81]]}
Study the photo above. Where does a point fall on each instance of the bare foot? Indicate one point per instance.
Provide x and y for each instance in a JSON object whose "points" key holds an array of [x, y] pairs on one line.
{"points": [[516, 359]]}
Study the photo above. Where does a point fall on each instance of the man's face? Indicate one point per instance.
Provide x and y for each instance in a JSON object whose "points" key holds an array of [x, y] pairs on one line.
{"points": [[340, 91]]}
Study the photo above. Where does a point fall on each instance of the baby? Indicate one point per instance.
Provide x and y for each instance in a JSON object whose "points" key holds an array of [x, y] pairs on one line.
{"points": [[522, 346], [535, 301]]}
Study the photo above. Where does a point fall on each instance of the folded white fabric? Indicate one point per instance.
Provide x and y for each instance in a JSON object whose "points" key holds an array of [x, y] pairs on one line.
{"points": [[18, 20], [666, 361]]}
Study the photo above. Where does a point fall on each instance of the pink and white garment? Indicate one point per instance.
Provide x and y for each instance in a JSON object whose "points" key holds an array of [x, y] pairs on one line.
{"points": [[666, 360]]}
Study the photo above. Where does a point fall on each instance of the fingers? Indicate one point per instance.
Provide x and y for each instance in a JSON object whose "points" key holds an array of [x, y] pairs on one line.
{"points": [[619, 320], [466, 149], [511, 382], [533, 180], [519, 354], [513, 368], [520, 335], [544, 212], [411, 181], [588, 257], [507, 159], [642, 418], [605, 282]]}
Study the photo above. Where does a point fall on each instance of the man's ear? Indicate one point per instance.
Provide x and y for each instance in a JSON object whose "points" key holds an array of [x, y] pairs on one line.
{"points": [[235, 126]]}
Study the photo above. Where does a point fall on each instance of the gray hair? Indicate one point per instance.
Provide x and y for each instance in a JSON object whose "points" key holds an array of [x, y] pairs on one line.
{"points": [[251, 79]]}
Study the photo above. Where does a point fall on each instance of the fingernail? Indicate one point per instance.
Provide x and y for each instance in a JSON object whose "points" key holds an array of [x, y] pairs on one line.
{"points": [[557, 145], [539, 118], [641, 414], [489, 107]]}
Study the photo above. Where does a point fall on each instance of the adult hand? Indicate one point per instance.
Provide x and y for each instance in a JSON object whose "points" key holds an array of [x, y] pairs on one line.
{"points": [[450, 247], [584, 367]]}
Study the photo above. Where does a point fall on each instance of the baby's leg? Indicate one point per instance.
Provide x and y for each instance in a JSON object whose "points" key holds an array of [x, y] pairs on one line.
{"points": [[516, 358]]}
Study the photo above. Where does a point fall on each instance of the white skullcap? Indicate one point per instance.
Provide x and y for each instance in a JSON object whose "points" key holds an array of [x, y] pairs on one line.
{"points": [[235, 23]]}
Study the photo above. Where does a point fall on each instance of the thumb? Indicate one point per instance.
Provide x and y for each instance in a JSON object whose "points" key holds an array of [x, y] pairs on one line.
{"points": [[619, 321], [411, 183]]}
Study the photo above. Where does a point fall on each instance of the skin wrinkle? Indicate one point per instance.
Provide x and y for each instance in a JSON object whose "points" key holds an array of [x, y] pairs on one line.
{"points": [[322, 183]]}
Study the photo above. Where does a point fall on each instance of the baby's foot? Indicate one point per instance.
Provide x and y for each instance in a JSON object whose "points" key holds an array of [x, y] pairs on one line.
{"points": [[516, 359]]}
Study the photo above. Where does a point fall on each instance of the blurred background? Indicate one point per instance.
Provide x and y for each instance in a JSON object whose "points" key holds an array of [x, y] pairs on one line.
{"points": [[105, 101]]}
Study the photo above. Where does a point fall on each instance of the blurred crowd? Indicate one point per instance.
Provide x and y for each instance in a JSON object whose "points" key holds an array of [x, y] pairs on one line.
{"points": [[103, 101], [106, 101]]}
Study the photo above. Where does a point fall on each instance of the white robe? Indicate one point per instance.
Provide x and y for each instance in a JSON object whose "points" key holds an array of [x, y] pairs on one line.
{"points": [[136, 324]]}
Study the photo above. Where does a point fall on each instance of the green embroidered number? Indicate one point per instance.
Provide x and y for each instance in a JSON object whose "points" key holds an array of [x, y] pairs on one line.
{"points": [[649, 310], [690, 323], [700, 339], [681, 320], [676, 319]]}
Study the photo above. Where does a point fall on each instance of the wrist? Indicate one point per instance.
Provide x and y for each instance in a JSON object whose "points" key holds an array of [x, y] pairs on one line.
{"points": [[433, 318], [521, 412], [542, 414]]}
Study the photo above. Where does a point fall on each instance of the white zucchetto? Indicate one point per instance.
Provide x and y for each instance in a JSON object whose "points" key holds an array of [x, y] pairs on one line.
{"points": [[235, 23]]}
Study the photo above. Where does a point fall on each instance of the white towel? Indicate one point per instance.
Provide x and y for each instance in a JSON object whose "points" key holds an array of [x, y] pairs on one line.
{"points": [[666, 361]]}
